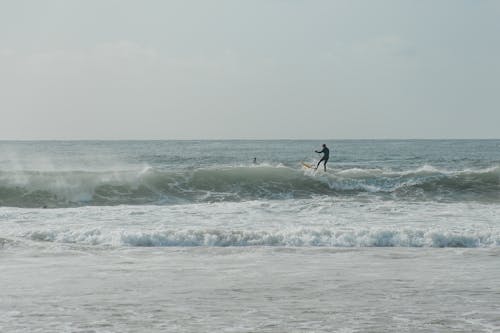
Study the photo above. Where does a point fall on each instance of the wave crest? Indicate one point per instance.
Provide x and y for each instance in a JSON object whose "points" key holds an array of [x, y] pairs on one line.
{"points": [[150, 186], [292, 238]]}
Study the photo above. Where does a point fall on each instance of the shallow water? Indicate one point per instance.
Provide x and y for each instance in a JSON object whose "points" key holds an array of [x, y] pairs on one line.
{"points": [[261, 289]]}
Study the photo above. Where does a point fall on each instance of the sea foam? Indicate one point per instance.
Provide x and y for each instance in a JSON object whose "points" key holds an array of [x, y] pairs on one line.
{"points": [[294, 238]]}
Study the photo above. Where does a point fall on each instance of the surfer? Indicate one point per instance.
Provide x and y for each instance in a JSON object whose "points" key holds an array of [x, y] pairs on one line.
{"points": [[326, 155]]}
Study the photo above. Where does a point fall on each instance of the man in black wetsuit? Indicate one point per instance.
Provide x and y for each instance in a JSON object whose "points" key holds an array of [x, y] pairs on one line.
{"points": [[326, 155]]}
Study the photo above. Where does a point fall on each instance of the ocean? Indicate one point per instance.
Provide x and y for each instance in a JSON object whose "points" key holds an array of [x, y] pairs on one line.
{"points": [[193, 236]]}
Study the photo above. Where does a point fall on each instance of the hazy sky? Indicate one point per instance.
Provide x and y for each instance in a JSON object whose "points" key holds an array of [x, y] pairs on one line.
{"points": [[254, 69]]}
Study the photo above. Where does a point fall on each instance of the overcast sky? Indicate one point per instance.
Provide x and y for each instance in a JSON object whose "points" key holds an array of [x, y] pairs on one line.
{"points": [[254, 69]]}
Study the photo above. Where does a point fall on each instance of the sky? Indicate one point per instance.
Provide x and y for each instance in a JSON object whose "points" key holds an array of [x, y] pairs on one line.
{"points": [[254, 69]]}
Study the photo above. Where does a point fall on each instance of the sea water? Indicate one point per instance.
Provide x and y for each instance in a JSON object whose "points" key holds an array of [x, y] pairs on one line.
{"points": [[193, 236]]}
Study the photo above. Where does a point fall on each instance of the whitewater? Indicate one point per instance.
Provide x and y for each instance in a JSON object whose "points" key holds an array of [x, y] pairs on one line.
{"points": [[192, 236]]}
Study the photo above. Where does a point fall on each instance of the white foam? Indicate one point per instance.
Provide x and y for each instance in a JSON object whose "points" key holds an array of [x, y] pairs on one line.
{"points": [[296, 238], [322, 222]]}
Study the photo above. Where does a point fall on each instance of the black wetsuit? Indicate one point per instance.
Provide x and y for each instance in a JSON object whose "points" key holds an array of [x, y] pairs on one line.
{"points": [[326, 156]]}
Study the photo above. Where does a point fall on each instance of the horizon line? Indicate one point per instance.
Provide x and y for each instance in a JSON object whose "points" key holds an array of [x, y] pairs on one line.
{"points": [[255, 139]]}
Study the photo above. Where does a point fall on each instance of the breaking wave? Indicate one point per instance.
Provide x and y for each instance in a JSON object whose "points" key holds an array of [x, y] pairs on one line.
{"points": [[150, 186], [293, 238]]}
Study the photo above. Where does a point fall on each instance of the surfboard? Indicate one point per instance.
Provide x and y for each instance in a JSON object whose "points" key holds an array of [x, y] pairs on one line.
{"points": [[307, 165]]}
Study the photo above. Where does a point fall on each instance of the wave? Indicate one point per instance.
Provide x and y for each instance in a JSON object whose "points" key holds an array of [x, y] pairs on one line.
{"points": [[293, 238], [150, 186]]}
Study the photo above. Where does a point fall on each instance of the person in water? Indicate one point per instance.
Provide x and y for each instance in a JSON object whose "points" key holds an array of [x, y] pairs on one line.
{"points": [[324, 159]]}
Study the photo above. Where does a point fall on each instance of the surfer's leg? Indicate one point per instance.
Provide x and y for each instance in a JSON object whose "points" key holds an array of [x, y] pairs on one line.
{"points": [[321, 160], [324, 163]]}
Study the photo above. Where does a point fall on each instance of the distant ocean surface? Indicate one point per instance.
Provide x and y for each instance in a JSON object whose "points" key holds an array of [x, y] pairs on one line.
{"points": [[205, 205]]}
